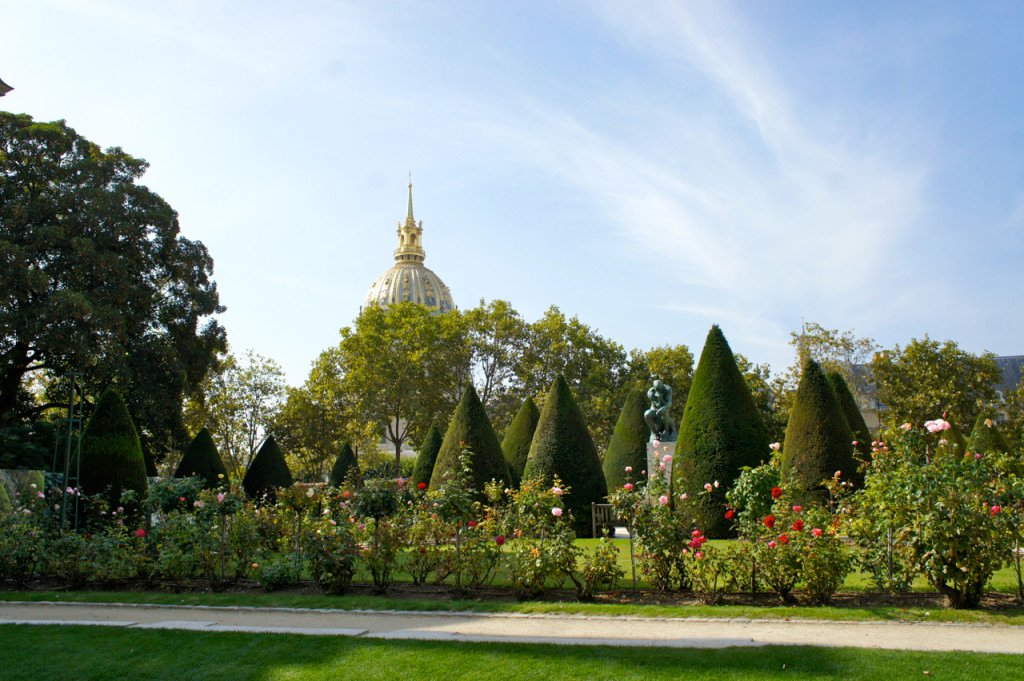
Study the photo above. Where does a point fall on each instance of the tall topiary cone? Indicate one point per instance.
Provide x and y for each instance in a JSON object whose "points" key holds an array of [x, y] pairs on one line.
{"points": [[854, 419], [111, 452], [986, 436], [201, 460], [267, 472], [516, 445], [562, 448], [721, 431], [345, 463], [470, 429], [5, 500], [628, 446], [427, 457], [818, 439]]}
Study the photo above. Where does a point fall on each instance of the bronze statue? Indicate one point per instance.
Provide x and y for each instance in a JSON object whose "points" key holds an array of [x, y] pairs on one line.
{"points": [[657, 417]]}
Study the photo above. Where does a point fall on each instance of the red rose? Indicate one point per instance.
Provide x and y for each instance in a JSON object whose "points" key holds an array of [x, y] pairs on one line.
{"points": [[181, 498], [472, 523], [140, 532], [798, 525], [421, 486], [783, 538], [729, 513], [816, 532], [769, 521], [499, 540], [776, 492]]}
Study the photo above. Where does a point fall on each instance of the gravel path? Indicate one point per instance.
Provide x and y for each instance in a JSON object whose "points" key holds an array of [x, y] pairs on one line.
{"points": [[523, 628]]}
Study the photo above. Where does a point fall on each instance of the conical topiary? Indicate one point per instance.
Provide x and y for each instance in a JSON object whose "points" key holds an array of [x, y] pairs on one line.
{"points": [[201, 460], [471, 430], [818, 438], [562, 448], [267, 472], [345, 463], [112, 460], [854, 419], [516, 445], [5, 500], [721, 431], [986, 436], [628, 446], [951, 441], [34, 483], [427, 456]]}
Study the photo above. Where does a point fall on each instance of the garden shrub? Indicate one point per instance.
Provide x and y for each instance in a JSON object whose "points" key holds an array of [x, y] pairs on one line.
{"points": [[818, 438], [599, 569], [332, 551], [750, 497], [562, 448], [470, 430], [516, 445], [5, 500], [986, 436], [721, 432], [427, 456], [201, 460], [628, 445], [280, 571], [111, 452], [344, 465], [267, 472], [855, 420]]}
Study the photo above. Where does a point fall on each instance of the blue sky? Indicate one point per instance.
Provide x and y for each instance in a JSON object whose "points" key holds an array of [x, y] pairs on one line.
{"points": [[654, 167]]}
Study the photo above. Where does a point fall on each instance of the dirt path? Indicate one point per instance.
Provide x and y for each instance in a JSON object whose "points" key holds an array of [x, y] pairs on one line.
{"points": [[575, 630]]}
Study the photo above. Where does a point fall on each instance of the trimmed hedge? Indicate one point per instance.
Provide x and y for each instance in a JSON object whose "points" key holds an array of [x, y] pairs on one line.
{"points": [[721, 431], [427, 456], [628, 446], [201, 460], [267, 472], [470, 429], [986, 437], [854, 419], [562, 447], [112, 459], [345, 462], [818, 438], [5, 500], [516, 445]]}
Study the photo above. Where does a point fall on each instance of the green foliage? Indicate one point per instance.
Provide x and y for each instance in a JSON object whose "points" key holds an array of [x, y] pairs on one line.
{"points": [[111, 452], [332, 552], [29, 445], [470, 429], [721, 432], [202, 460], [628, 446], [673, 364], [5, 500], [268, 471], [927, 378], [33, 483], [344, 465], [562, 448], [96, 274], [818, 438], [751, 498], [986, 436], [854, 419], [427, 456], [516, 445]]}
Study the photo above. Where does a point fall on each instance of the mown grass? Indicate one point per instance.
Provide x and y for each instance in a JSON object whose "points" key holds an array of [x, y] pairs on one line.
{"points": [[31, 653], [1013, 616]]}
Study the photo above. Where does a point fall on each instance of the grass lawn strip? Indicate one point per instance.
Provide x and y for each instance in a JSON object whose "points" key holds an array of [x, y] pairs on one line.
{"points": [[101, 653]]}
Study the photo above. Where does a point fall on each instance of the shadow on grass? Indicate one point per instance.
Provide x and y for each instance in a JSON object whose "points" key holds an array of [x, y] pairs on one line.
{"points": [[43, 652]]}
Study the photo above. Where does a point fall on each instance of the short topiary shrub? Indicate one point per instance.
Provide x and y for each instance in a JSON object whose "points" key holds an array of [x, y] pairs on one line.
{"points": [[201, 460], [628, 446], [267, 472], [343, 465], [470, 429], [112, 460], [516, 445], [818, 438], [721, 432], [562, 448], [427, 456]]}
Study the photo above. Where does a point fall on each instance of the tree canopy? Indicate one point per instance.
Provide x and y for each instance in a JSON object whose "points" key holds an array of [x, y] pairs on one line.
{"points": [[96, 278]]}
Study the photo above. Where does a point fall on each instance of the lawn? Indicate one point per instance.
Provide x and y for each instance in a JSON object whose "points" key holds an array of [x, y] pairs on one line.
{"points": [[38, 652]]}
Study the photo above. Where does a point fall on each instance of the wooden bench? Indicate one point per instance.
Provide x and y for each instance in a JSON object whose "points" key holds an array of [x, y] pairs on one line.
{"points": [[603, 515]]}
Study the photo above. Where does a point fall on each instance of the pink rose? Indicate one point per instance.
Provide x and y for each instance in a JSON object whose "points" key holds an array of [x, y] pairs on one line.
{"points": [[629, 469], [667, 458], [628, 487], [816, 531], [663, 500], [996, 509], [557, 512], [557, 491]]}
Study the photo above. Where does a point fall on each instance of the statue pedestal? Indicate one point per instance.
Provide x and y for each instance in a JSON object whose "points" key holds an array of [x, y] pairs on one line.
{"points": [[655, 455]]}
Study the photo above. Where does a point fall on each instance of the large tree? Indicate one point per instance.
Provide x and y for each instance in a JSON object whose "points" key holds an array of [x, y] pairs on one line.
{"points": [[834, 351], [673, 364], [926, 378], [96, 278], [403, 366], [497, 337]]}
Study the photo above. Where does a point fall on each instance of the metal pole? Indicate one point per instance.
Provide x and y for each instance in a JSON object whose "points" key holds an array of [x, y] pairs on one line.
{"points": [[67, 456]]}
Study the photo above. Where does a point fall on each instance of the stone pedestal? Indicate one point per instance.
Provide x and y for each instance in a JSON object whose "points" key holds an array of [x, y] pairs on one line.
{"points": [[655, 456]]}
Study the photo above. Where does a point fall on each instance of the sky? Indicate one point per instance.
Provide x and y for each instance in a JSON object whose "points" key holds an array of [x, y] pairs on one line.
{"points": [[652, 167]]}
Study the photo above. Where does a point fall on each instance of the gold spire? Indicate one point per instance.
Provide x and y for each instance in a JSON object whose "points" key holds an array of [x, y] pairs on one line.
{"points": [[410, 236]]}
